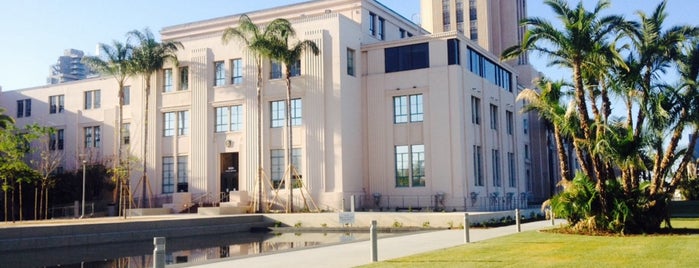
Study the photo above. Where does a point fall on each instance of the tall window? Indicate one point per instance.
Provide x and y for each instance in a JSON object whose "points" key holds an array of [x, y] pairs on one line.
{"points": [[477, 166], [350, 61], [92, 137], [496, 168], [408, 107], [526, 151], [372, 24], [525, 126], [222, 114], [277, 166], [219, 74], [410, 165], [168, 124], [511, 169], [296, 68], [168, 175], [475, 110], [296, 112], [454, 51], [237, 71], [382, 28], [473, 19], [56, 140], [184, 78], [236, 118], [493, 117], [127, 95], [183, 123], [446, 15], [402, 33], [408, 57], [275, 70], [182, 169], [278, 111], [296, 161], [126, 133], [175, 120], [56, 104], [509, 117], [92, 99], [167, 80]]}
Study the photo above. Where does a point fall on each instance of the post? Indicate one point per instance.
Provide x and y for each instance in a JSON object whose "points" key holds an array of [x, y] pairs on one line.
{"points": [[352, 203], [83, 203], [553, 219], [518, 216], [374, 242], [467, 237], [159, 252]]}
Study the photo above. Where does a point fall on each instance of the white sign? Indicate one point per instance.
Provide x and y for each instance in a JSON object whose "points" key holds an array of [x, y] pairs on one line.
{"points": [[346, 218]]}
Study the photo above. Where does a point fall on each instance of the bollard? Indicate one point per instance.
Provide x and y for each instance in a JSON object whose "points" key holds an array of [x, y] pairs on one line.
{"points": [[159, 252], [374, 242], [553, 219], [467, 236], [518, 217], [352, 203]]}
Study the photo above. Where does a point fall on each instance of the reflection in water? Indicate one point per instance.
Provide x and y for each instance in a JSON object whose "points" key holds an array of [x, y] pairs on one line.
{"points": [[179, 250]]}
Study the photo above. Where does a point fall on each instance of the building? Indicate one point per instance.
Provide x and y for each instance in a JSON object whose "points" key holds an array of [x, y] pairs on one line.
{"points": [[69, 67], [387, 112]]}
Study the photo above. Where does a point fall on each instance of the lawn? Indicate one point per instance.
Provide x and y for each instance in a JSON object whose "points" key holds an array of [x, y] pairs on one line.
{"points": [[546, 249]]}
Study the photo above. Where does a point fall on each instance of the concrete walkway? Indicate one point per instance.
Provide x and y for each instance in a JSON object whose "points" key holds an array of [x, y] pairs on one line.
{"points": [[359, 253]]}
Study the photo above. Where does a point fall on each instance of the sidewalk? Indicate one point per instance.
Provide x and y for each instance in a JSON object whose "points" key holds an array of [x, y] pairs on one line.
{"points": [[359, 253]]}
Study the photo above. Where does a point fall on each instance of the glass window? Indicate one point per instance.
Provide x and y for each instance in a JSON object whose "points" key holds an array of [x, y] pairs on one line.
{"points": [[512, 171], [372, 24], [88, 100], [183, 123], [182, 169], [400, 109], [236, 118], [97, 99], [56, 140], [169, 124], [475, 110], [184, 78], [350, 62], [509, 117], [402, 166], [454, 52], [459, 11], [61, 138], [296, 112], [409, 57], [416, 111], [525, 126], [402, 33], [278, 111], [296, 68], [496, 168], [92, 137], [275, 70], [277, 166], [296, 161], [168, 175], [382, 28], [418, 165], [126, 133], [477, 165], [237, 71], [167, 80], [410, 165], [221, 119], [127, 95], [56, 104], [24, 108], [219, 74], [88, 137], [493, 117], [526, 151], [92, 99]]}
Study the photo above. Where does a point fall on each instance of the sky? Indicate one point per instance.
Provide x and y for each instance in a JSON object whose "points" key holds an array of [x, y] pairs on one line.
{"points": [[34, 33]]}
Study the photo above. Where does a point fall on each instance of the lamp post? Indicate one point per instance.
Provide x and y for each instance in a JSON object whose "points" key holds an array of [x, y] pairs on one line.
{"points": [[83, 203]]}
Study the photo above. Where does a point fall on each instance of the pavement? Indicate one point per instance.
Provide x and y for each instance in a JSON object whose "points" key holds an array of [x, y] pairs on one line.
{"points": [[359, 253]]}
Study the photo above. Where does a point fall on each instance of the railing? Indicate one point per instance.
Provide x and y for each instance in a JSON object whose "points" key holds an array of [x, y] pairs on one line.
{"points": [[72, 211], [495, 203], [438, 203]]}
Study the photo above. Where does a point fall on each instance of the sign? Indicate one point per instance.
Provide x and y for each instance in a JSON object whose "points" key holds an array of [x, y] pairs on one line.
{"points": [[346, 218]]}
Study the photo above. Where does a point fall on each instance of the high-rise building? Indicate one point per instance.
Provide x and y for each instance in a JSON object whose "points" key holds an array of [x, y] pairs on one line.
{"points": [[69, 67]]}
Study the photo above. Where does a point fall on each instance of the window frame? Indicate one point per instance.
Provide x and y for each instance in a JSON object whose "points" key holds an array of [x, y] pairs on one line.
{"points": [[494, 113], [167, 80], [56, 104], [296, 112], [478, 166], [275, 70], [409, 163], [350, 62], [169, 124], [219, 74], [168, 175], [184, 78], [237, 71], [277, 113]]}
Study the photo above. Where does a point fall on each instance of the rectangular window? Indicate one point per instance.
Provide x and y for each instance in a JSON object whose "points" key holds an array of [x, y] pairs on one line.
{"points": [[416, 111], [418, 165], [296, 68], [372, 24], [92, 99], [56, 104], [24, 108], [400, 109], [277, 166], [509, 117], [496, 168], [477, 166], [296, 162], [184, 78], [126, 133], [182, 169], [350, 62], [402, 166], [475, 110], [167, 80], [525, 126], [219, 74], [168, 124], [56, 140], [275, 70], [409, 57], [410, 165], [454, 51], [168, 175], [236, 118], [296, 112], [511, 169], [127, 95], [493, 117], [489, 70], [459, 11], [402, 33], [237, 71], [92, 137], [222, 119], [183, 123], [526, 151], [382, 28], [278, 113]]}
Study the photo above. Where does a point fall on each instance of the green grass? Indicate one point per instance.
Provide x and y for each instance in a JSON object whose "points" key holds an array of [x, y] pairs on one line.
{"points": [[546, 249]]}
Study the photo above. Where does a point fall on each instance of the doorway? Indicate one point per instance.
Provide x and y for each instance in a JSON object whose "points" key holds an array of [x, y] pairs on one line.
{"points": [[229, 173]]}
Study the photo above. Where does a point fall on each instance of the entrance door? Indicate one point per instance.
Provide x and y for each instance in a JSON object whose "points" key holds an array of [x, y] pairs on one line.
{"points": [[229, 173]]}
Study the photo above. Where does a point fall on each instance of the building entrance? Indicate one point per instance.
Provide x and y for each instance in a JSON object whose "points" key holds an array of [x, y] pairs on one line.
{"points": [[229, 173]]}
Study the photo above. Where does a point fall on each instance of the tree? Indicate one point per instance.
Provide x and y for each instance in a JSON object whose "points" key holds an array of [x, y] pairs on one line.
{"points": [[5, 120], [50, 158], [149, 56], [14, 171], [256, 40]]}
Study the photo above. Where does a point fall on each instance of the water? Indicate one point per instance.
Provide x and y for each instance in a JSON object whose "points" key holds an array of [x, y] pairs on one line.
{"points": [[179, 250]]}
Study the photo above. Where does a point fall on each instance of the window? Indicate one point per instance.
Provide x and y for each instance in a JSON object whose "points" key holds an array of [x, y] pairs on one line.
{"points": [[127, 95], [275, 70], [493, 117], [184, 78], [237, 71], [92, 137], [446, 15], [278, 111], [169, 124], [416, 111], [175, 120], [410, 165], [296, 161], [236, 118], [222, 114], [453, 50], [24, 108], [56, 140], [92, 99], [295, 68], [528, 179], [182, 169], [167, 80], [511, 169], [183, 123], [404, 58], [496, 168], [477, 165], [525, 126], [168, 175], [489, 70], [219, 74], [459, 11], [277, 166], [510, 122], [126, 133], [400, 109], [372, 24], [350, 62], [475, 110], [56, 104], [402, 33], [296, 112], [382, 28], [526, 151]]}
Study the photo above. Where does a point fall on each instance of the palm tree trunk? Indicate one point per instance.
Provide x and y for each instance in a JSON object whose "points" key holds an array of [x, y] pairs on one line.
{"points": [[36, 203], [144, 179], [662, 166], [562, 155], [260, 205], [290, 202], [20, 202]]}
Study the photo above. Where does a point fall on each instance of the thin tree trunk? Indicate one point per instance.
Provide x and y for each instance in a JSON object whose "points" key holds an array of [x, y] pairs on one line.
{"points": [[36, 203], [145, 144], [562, 156], [662, 166], [290, 187], [260, 205], [21, 214]]}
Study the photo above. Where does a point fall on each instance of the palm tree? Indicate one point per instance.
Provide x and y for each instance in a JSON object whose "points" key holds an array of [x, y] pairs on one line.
{"points": [[5, 120], [290, 56], [150, 56], [117, 63], [255, 38]]}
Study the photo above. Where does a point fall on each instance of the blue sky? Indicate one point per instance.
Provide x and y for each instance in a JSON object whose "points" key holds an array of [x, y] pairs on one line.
{"points": [[33, 33]]}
